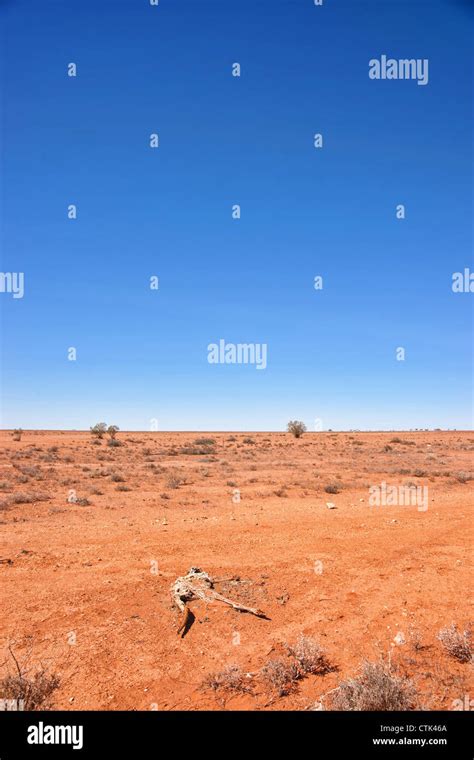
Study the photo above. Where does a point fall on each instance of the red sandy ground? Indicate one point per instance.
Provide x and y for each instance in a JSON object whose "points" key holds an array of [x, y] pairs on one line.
{"points": [[86, 571]]}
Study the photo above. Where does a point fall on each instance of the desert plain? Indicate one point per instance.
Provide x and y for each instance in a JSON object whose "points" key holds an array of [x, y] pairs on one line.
{"points": [[94, 535]]}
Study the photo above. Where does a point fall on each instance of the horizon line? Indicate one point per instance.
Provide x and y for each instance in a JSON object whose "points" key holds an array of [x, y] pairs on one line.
{"points": [[283, 432]]}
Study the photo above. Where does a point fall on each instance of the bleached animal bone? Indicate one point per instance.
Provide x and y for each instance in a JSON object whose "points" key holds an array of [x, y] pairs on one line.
{"points": [[197, 584]]}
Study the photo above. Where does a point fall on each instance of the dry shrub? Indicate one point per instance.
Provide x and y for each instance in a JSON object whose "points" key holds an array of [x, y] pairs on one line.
{"points": [[27, 498], [231, 679], [175, 480], [197, 450], [23, 498], [416, 639], [296, 428], [463, 477], [31, 471], [112, 431], [33, 691], [375, 689], [280, 677], [99, 429], [310, 657], [458, 645]]}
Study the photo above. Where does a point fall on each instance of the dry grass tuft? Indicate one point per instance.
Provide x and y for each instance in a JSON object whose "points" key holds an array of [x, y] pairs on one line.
{"points": [[458, 645], [32, 692], [375, 689], [231, 680], [175, 480], [310, 657], [280, 677]]}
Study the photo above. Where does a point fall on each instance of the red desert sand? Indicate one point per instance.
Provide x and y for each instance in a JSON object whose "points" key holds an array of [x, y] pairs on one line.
{"points": [[94, 536]]}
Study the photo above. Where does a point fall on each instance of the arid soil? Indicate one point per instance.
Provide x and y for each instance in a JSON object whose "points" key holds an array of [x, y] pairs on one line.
{"points": [[86, 582]]}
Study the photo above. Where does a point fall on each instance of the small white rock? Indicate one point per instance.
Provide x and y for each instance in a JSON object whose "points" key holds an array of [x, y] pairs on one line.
{"points": [[330, 505]]}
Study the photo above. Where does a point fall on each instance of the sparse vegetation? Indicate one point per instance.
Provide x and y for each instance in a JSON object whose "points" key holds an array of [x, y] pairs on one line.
{"points": [[463, 477], [32, 691], [99, 429], [458, 645], [306, 657], [310, 657], [175, 480], [231, 679], [30, 471], [280, 676], [201, 450], [296, 428], [16, 434], [23, 498], [285, 488], [112, 430], [375, 689]]}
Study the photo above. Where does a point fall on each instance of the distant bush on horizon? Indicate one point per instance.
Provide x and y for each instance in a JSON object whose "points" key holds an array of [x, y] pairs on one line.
{"points": [[296, 428]]}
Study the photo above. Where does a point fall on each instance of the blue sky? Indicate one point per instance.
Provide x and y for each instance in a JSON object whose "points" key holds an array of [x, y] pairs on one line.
{"points": [[224, 140]]}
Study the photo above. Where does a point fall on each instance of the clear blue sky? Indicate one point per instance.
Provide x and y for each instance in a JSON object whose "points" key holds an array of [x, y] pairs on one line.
{"points": [[142, 354]]}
